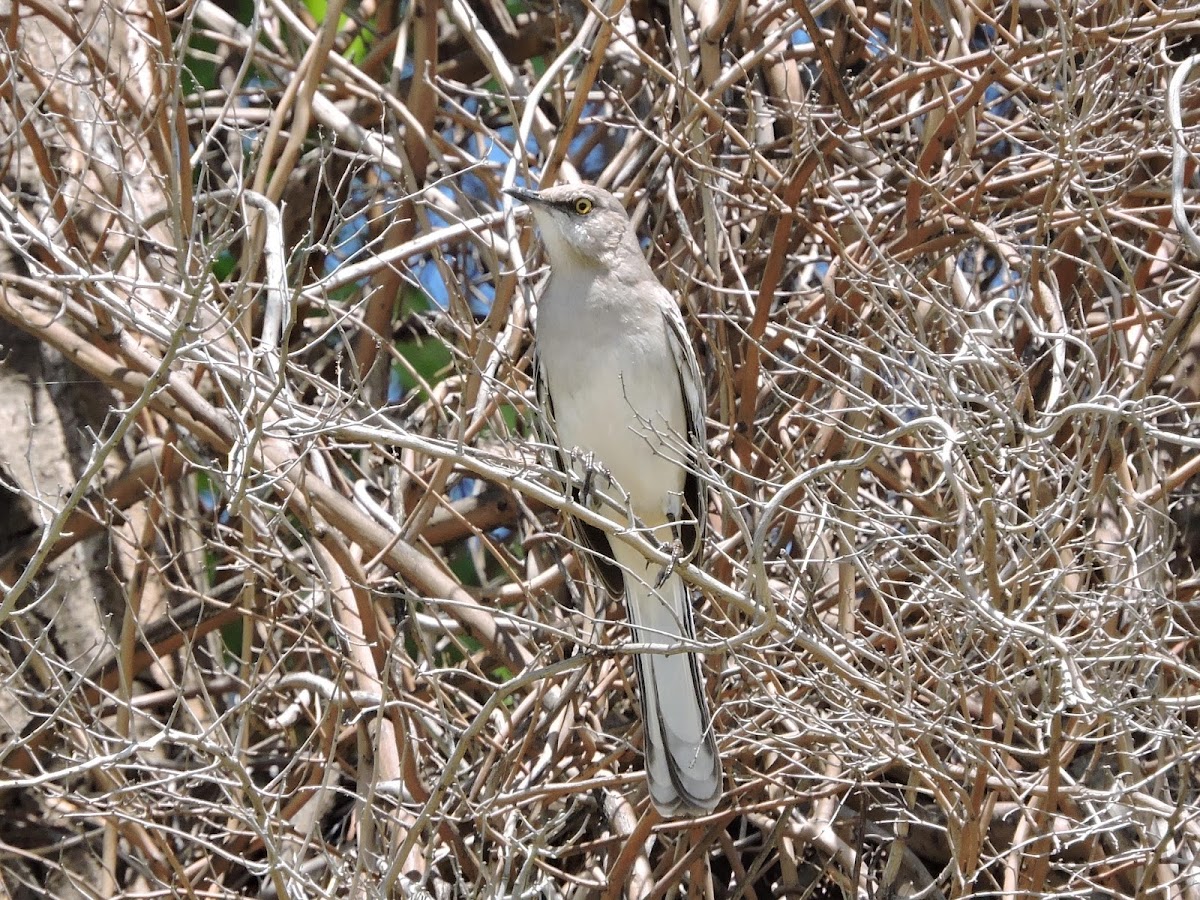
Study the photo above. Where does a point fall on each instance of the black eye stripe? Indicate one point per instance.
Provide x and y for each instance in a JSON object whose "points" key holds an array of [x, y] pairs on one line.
{"points": [[573, 205]]}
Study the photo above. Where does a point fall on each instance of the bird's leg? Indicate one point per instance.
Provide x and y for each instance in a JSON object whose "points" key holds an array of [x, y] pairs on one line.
{"points": [[675, 550], [592, 467]]}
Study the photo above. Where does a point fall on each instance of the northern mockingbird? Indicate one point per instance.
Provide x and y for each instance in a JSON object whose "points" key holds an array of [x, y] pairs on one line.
{"points": [[618, 380]]}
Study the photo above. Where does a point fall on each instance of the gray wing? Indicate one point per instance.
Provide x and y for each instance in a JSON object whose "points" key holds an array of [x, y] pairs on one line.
{"points": [[594, 540], [691, 529]]}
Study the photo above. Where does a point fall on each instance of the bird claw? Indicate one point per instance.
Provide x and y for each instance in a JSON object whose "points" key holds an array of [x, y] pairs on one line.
{"points": [[592, 468], [676, 551]]}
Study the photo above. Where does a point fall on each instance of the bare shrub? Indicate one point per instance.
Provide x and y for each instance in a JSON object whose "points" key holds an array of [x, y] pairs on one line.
{"points": [[288, 611]]}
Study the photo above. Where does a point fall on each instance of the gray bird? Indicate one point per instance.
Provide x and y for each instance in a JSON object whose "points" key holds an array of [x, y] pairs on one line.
{"points": [[618, 380]]}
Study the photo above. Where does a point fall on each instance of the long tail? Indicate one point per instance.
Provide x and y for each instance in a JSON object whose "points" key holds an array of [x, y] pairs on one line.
{"points": [[682, 763]]}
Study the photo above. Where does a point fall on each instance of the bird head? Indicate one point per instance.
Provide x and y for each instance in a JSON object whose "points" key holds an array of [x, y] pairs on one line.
{"points": [[581, 224]]}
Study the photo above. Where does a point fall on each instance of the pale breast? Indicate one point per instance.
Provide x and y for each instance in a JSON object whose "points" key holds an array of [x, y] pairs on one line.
{"points": [[616, 394]]}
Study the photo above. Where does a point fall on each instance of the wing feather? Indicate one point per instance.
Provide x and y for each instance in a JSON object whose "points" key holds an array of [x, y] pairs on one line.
{"points": [[691, 529]]}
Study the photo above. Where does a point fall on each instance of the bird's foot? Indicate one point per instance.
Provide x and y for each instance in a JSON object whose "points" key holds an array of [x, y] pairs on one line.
{"points": [[592, 469], [675, 549]]}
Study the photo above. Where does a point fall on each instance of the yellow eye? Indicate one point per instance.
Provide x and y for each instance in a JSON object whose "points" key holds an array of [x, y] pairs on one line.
{"points": [[583, 206]]}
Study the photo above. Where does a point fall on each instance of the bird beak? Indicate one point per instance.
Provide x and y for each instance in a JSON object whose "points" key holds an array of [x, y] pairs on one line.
{"points": [[530, 197]]}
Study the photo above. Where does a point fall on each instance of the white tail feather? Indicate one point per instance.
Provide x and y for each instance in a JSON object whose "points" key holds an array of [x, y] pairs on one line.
{"points": [[682, 763]]}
